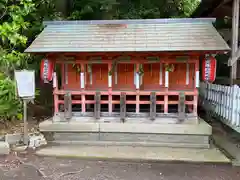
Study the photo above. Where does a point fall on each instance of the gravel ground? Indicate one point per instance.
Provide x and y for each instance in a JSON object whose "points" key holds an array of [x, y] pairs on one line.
{"points": [[30, 167]]}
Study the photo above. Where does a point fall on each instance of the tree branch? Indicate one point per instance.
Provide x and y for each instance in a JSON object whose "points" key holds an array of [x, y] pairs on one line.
{"points": [[4, 13]]}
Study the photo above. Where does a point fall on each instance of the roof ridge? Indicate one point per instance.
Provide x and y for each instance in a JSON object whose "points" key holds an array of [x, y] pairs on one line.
{"points": [[134, 21]]}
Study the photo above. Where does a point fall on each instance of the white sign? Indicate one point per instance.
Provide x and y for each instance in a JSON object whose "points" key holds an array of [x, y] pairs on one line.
{"points": [[25, 83], [207, 69]]}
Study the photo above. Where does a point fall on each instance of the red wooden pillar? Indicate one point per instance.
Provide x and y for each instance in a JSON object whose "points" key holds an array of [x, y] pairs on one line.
{"points": [[110, 88], [82, 84], [137, 80], [195, 98]]}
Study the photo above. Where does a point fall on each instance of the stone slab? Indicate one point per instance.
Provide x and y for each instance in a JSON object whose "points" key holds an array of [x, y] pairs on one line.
{"points": [[136, 139], [19, 148], [13, 139], [4, 148], [134, 127], [212, 155], [132, 137], [150, 137], [201, 128], [72, 126], [78, 136], [135, 144]]}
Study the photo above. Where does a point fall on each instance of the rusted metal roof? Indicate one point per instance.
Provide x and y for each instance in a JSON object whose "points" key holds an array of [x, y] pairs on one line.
{"points": [[129, 36]]}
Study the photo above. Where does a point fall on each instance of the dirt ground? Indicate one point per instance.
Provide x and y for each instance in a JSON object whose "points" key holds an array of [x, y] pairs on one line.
{"points": [[30, 167]]}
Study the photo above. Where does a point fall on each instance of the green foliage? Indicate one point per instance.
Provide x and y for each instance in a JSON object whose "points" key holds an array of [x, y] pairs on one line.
{"points": [[20, 21], [12, 38], [131, 9], [14, 23], [10, 105], [187, 7]]}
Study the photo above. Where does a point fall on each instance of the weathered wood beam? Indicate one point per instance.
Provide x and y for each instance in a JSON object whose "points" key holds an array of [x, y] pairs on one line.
{"points": [[236, 56], [235, 26], [153, 106], [68, 106], [97, 105], [181, 107], [123, 106]]}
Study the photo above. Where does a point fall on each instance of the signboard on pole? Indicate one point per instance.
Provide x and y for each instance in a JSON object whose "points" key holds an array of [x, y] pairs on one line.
{"points": [[25, 83], [26, 90]]}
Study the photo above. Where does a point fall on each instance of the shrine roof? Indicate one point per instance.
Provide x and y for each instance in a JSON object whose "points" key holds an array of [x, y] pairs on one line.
{"points": [[129, 36]]}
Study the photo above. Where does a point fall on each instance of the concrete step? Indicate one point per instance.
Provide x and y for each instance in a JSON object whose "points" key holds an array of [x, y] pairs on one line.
{"points": [[135, 144], [201, 128], [149, 134], [136, 139], [128, 153]]}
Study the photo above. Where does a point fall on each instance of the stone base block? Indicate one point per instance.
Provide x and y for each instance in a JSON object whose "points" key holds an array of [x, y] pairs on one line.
{"points": [[4, 148]]}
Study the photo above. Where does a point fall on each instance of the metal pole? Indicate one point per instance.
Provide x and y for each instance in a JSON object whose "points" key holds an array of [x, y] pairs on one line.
{"points": [[25, 131]]}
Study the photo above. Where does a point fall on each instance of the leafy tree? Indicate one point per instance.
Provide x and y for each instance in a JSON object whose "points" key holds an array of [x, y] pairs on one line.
{"points": [[19, 22], [131, 9]]}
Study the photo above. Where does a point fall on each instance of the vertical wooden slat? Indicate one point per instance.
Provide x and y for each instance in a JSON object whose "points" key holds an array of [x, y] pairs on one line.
{"points": [[181, 107], [153, 106], [89, 71], [123, 106], [68, 106], [166, 101], [233, 95], [228, 104], [83, 99], [195, 102], [97, 106]]}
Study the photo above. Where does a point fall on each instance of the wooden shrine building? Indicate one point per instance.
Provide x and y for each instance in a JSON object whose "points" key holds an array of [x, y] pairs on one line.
{"points": [[122, 71]]}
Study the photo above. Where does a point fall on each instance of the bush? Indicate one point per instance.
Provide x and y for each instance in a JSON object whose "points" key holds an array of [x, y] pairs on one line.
{"points": [[10, 104]]}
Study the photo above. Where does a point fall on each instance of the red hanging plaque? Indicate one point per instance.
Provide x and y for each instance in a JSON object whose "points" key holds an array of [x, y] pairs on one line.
{"points": [[46, 70], [209, 66]]}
